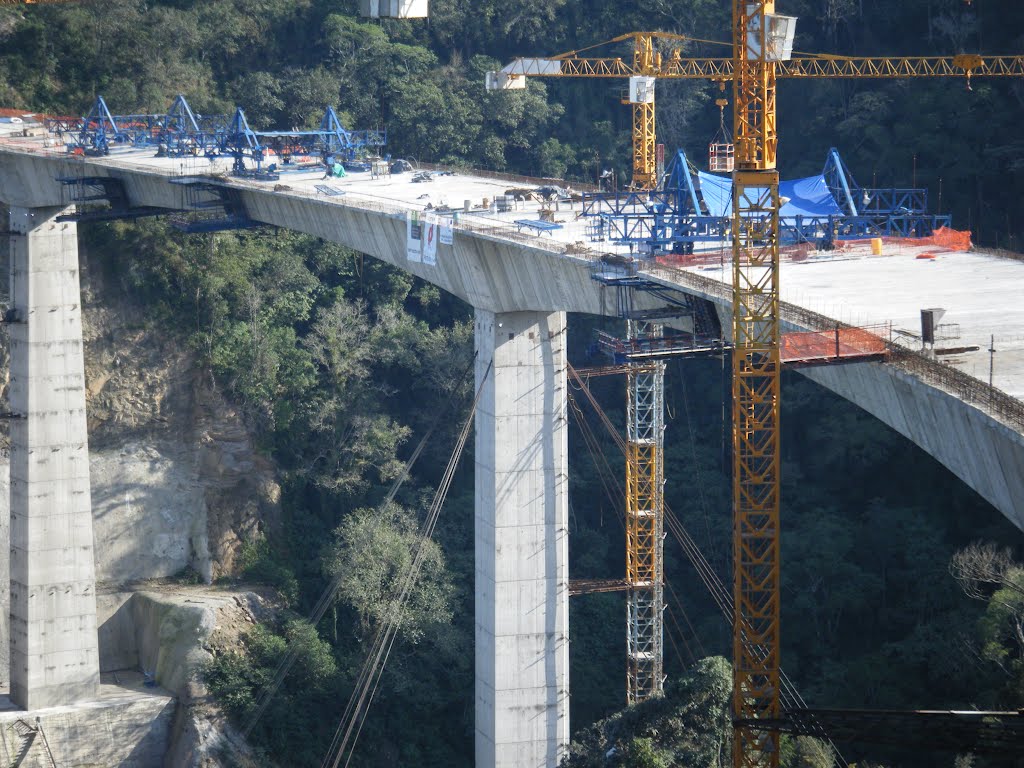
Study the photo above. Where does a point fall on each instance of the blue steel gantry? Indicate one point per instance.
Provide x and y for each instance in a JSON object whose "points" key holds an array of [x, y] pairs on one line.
{"points": [[693, 208], [180, 132]]}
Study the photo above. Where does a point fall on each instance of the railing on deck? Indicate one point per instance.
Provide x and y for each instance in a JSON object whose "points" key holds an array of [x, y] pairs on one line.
{"points": [[1006, 408]]}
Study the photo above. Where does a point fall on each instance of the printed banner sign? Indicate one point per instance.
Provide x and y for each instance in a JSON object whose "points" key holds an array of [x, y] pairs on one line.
{"points": [[413, 237], [430, 230], [446, 232]]}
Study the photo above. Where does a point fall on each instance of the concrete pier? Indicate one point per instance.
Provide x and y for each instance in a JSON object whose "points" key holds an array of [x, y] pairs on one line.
{"points": [[522, 579], [53, 638]]}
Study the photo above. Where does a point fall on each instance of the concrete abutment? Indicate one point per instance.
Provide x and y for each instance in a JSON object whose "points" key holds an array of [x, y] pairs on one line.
{"points": [[522, 578]]}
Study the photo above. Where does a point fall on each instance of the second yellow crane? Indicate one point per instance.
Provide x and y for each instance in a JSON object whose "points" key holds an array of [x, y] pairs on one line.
{"points": [[647, 65]]}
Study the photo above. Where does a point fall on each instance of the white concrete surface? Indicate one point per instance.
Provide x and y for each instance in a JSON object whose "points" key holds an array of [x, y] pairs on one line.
{"points": [[986, 455], [980, 293], [53, 641], [522, 579], [164, 633]]}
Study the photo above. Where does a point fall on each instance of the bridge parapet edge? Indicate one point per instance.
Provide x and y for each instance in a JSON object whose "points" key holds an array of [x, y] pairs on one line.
{"points": [[996, 403]]}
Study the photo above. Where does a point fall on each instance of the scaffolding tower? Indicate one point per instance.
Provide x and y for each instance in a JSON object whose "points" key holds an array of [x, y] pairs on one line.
{"points": [[645, 520]]}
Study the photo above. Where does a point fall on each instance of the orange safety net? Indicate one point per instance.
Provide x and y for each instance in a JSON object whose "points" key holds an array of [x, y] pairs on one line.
{"points": [[943, 238], [836, 344], [946, 238], [950, 239]]}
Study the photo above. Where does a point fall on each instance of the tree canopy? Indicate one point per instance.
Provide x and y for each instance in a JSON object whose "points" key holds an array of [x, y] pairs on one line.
{"points": [[340, 363]]}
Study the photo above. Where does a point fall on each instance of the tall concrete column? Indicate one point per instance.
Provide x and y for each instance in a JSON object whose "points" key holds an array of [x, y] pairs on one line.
{"points": [[54, 658], [522, 578]]}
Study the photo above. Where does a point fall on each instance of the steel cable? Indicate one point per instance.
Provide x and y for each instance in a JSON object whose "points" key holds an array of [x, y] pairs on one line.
{"points": [[330, 592], [789, 694], [373, 668]]}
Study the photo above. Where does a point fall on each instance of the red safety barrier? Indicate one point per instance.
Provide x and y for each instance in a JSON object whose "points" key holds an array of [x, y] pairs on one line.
{"points": [[839, 344]]}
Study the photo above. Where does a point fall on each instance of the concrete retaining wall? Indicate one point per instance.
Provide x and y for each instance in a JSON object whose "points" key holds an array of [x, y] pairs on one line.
{"points": [[126, 730], [160, 634]]}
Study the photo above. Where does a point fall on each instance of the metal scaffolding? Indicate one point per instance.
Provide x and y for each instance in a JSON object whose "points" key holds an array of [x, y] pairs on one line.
{"points": [[645, 520]]}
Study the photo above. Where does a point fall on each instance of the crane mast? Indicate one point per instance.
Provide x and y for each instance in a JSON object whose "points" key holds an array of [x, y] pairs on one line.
{"points": [[641, 95], [645, 520], [755, 385]]}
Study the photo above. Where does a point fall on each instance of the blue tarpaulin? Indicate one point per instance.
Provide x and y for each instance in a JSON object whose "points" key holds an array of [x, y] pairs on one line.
{"points": [[807, 197]]}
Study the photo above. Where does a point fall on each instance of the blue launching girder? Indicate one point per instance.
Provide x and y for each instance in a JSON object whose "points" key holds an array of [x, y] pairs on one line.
{"points": [[183, 132], [95, 132], [178, 132], [180, 117], [856, 200], [337, 141], [673, 217], [840, 182], [696, 207], [331, 143], [241, 142]]}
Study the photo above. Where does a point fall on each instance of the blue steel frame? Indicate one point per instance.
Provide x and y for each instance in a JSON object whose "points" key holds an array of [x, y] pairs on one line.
{"points": [[675, 217], [855, 200], [182, 132]]}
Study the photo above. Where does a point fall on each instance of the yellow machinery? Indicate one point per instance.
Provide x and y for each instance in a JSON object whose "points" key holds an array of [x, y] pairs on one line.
{"points": [[756, 372], [761, 41], [645, 520]]}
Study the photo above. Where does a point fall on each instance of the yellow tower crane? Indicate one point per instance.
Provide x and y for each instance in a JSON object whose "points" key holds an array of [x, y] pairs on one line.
{"points": [[761, 43], [648, 65], [758, 46]]}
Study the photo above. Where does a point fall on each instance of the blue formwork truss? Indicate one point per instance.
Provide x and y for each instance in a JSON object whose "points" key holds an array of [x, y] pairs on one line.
{"points": [[241, 142], [676, 217], [335, 141], [672, 218], [93, 134], [855, 200], [182, 132]]}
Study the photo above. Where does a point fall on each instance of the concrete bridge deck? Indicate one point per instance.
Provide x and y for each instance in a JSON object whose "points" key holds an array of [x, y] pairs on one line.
{"points": [[976, 289], [521, 283]]}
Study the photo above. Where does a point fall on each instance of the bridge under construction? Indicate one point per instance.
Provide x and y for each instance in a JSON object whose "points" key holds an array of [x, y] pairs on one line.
{"points": [[773, 273], [521, 283]]}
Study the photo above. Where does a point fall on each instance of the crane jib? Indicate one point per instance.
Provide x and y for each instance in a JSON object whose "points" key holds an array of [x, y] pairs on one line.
{"points": [[797, 67]]}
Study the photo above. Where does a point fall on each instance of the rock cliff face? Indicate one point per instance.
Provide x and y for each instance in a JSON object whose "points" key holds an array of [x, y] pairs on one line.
{"points": [[176, 479], [176, 483]]}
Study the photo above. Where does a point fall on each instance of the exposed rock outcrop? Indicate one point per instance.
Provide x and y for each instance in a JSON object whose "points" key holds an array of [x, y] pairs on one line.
{"points": [[176, 478], [170, 631]]}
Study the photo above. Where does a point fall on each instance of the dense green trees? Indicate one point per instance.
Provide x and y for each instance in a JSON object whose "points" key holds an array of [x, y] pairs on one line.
{"points": [[422, 80], [989, 573], [371, 555], [341, 364], [690, 726]]}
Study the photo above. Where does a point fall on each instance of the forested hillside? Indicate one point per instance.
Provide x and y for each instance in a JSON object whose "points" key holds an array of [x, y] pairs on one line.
{"points": [[340, 364], [284, 61]]}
